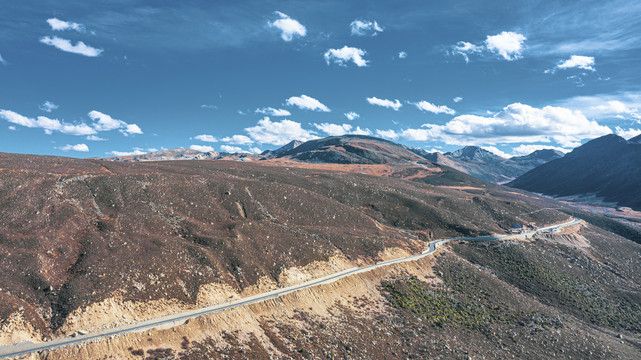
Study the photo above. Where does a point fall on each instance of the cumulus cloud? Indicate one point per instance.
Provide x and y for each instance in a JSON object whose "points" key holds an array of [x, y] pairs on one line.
{"points": [[457, 99], [351, 115], [307, 103], [255, 150], [48, 106], [341, 129], [496, 151], [230, 149], [508, 44], [273, 112], [66, 45], [344, 55], [429, 107], [577, 61], [238, 140], [47, 124], [516, 123], [385, 103], [278, 132], [526, 149], [288, 27], [387, 134], [628, 133], [402, 55], [364, 27], [77, 147], [105, 122], [60, 25], [206, 138], [203, 148], [624, 105], [136, 151]]}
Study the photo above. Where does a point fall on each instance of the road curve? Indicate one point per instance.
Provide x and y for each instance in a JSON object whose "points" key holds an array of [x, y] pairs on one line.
{"points": [[180, 318]]}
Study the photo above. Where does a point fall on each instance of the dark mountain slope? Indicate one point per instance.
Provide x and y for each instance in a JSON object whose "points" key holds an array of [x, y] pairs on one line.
{"points": [[608, 167]]}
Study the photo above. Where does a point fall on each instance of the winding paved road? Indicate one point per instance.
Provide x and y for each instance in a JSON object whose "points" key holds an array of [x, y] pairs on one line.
{"points": [[180, 318]]}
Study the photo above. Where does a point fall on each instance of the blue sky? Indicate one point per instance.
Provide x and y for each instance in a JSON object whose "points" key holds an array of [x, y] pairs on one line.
{"points": [[93, 79]]}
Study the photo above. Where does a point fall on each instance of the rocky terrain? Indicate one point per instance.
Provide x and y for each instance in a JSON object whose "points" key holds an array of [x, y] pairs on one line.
{"points": [[91, 244], [488, 166], [608, 167]]}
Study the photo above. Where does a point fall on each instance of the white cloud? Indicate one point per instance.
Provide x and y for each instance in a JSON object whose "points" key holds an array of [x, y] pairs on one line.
{"points": [[49, 125], [345, 55], [607, 106], [385, 103], [136, 151], [237, 140], [523, 123], [508, 44], [334, 129], [2, 60], [80, 129], [273, 112], [77, 147], [627, 134], [231, 149], [105, 122], [15, 118], [402, 55], [209, 107], [66, 45], [95, 138], [341, 129], [494, 150], [516, 123], [12, 128], [131, 129], [278, 132], [526, 149], [203, 148], [364, 27], [577, 61], [351, 115], [307, 103], [206, 138], [465, 49], [57, 25], [428, 106], [255, 150], [457, 99], [288, 27], [387, 134], [48, 106]]}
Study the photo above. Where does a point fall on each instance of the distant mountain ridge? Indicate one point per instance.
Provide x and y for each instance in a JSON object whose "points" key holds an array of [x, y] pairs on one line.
{"points": [[369, 150], [485, 165], [608, 167]]}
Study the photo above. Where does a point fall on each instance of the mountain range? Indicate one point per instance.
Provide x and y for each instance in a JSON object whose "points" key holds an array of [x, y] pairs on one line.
{"points": [[608, 167], [359, 149]]}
